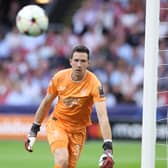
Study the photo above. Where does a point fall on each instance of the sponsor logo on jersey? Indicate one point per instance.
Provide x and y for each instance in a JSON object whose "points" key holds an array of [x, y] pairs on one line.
{"points": [[71, 101]]}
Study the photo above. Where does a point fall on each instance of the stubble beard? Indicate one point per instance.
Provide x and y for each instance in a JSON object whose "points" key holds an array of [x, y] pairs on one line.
{"points": [[77, 76]]}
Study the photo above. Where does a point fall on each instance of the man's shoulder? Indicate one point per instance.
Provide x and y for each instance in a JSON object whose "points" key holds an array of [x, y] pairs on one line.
{"points": [[92, 75], [62, 72], [65, 70]]}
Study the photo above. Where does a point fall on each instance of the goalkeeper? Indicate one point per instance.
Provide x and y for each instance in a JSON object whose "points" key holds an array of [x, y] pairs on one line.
{"points": [[77, 90]]}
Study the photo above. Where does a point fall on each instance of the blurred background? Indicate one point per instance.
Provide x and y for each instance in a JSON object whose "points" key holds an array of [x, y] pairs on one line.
{"points": [[113, 30]]}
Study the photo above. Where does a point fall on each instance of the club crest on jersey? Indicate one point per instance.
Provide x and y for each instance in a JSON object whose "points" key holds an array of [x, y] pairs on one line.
{"points": [[101, 92], [61, 88], [83, 92]]}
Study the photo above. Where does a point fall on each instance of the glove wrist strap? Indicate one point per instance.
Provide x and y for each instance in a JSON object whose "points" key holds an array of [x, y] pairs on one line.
{"points": [[107, 145], [35, 128]]}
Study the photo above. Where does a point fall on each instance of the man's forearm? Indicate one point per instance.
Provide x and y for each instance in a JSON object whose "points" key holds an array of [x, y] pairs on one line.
{"points": [[41, 112], [103, 120], [106, 130]]}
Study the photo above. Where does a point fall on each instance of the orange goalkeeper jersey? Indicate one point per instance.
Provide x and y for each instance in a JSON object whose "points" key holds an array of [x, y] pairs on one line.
{"points": [[75, 98]]}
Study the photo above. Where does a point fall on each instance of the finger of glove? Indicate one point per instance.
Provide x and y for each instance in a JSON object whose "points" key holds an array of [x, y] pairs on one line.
{"points": [[27, 146], [108, 163], [29, 143]]}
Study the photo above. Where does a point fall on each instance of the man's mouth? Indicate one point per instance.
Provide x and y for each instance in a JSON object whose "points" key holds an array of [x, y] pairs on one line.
{"points": [[78, 70]]}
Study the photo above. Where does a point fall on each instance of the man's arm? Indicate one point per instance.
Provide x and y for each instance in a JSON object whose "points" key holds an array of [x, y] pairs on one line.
{"points": [[44, 108], [41, 112], [103, 120], [106, 159]]}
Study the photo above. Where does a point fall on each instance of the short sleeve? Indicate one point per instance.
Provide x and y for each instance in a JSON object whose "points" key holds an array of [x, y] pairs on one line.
{"points": [[52, 87], [98, 93]]}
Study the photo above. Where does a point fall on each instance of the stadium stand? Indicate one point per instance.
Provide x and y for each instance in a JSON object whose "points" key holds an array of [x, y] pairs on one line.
{"points": [[114, 32]]}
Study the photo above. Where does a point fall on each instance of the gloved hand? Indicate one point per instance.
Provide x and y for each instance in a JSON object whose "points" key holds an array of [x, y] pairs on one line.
{"points": [[31, 138], [106, 159]]}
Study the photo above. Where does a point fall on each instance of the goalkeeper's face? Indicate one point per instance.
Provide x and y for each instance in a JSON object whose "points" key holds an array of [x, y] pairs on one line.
{"points": [[79, 63]]}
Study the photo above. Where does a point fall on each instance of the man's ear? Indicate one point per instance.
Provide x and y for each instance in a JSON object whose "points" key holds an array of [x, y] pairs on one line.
{"points": [[70, 61], [89, 63]]}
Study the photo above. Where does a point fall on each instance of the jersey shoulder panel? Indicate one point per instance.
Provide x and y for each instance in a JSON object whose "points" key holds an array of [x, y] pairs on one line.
{"points": [[62, 73], [93, 78], [57, 80], [97, 88]]}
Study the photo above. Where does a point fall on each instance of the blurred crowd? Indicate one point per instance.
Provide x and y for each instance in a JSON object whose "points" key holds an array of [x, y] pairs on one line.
{"points": [[113, 30]]}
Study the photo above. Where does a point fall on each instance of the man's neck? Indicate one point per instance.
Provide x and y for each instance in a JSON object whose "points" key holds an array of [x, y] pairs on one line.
{"points": [[76, 78]]}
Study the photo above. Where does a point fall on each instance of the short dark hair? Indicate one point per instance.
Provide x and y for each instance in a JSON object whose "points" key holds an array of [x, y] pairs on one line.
{"points": [[81, 48]]}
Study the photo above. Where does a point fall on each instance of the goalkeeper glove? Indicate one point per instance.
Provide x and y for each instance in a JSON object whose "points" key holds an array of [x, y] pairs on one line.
{"points": [[106, 159], [30, 140]]}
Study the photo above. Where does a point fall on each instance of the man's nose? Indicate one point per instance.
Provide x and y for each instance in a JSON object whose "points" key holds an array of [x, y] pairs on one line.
{"points": [[79, 63]]}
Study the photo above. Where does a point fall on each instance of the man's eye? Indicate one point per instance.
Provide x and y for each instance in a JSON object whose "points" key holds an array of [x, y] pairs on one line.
{"points": [[76, 60]]}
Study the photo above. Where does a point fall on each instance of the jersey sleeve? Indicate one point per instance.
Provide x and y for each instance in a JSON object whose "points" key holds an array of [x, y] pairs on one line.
{"points": [[98, 93], [52, 87]]}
